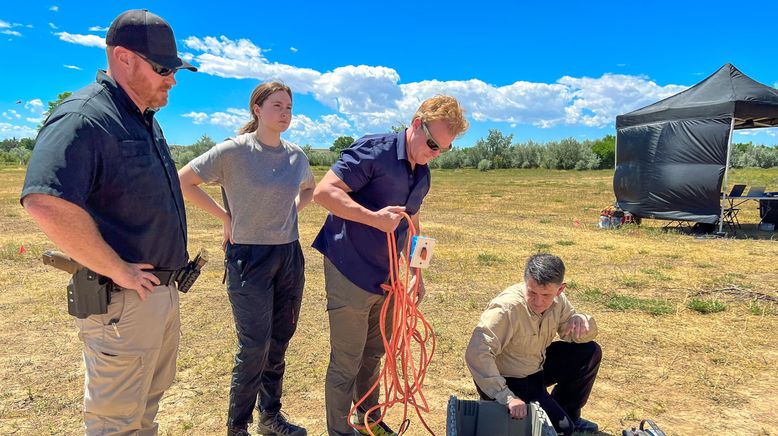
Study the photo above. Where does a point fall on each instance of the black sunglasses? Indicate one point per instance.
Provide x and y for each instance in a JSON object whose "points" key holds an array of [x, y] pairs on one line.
{"points": [[431, 143], [159, 69]]}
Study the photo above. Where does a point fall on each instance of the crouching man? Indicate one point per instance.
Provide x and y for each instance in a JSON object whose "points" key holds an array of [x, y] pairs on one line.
{"points": [[513, 357]]}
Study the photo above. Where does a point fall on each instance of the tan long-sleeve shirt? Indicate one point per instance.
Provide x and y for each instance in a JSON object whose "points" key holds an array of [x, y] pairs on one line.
{"points": [[511, 340]]}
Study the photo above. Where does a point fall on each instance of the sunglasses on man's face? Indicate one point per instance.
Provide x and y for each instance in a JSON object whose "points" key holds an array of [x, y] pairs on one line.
{"points": [[159, 69], [431, 143]]}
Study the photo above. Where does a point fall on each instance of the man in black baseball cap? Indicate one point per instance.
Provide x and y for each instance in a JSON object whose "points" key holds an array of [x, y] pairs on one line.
{"points": [[103, 187], [147, 35]]}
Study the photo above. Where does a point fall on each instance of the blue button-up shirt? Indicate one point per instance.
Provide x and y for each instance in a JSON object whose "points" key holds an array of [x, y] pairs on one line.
{"points": [[377, 170], [99, 152]]}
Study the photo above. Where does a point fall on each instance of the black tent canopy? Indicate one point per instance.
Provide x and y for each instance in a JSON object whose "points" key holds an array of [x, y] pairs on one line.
{"points": [[672, 156]]}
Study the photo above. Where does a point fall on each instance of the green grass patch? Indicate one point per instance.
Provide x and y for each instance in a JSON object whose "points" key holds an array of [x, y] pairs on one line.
{"points": [[633, 282], [623, 303], [762, 309], [706, 306], [542, 247], [648, 305], [656, 274], [565, 242], [490, 259]]}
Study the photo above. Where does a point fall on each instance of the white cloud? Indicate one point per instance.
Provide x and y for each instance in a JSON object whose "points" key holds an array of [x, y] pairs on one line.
{"points": [[197, 117], [775, 85], [231, 119], [53, 26], [521, 102], [293, 49], [54, 8], [323, 130], [758, 134], [86, 40], [72, 67], [36, 120], [596, 102], [242, 59], [98, 29], [8, 130], [35, 106], [371, 98], [11, 114], [303, 129], [354, 90], [6, 28]]}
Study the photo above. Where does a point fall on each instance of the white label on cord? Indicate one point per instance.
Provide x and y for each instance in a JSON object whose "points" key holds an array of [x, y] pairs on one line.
{"points": [[421, 251]]}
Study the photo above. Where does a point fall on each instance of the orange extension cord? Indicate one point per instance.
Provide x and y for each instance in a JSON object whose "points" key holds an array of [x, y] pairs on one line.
{"points": [[407, 359]]}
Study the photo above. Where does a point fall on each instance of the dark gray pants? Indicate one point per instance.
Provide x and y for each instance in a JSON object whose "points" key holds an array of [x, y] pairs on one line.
{"points": [[265, 286]]}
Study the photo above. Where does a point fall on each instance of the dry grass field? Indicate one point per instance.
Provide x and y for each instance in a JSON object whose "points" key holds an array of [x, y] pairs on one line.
{"points": [[688, 325]]}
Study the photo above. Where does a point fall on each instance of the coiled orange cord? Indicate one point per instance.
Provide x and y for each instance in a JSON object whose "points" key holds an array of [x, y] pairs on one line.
{"points": [[407, 359]]}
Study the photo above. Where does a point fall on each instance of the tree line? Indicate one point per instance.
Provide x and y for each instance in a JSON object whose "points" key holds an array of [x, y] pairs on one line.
{"points": [[495, 151]]}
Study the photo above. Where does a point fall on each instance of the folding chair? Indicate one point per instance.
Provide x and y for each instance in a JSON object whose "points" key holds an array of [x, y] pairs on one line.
{"points": [[731, 211]]}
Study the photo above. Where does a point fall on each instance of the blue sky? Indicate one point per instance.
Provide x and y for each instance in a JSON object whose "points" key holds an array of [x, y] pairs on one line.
{"points": [[540, 71]]}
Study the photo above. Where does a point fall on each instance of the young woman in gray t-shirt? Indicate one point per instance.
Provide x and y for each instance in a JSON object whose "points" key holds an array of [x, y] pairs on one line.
{"points": [[265, 182]]}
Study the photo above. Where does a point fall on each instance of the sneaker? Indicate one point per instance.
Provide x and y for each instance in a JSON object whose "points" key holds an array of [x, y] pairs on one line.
{"points": [[277, 425], [237, 431], [380, 429], [585, 426]]}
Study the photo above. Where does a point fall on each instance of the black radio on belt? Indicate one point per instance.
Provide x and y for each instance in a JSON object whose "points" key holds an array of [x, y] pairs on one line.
{"points": [[187, 276]]}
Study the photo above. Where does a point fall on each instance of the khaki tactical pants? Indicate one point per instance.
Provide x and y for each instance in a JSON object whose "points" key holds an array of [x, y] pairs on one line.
{"points": [[356, 347], [130, 358]]}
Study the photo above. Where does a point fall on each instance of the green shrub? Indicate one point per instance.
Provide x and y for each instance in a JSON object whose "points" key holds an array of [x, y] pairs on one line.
{"points": [[706, 306], [484, 165]]}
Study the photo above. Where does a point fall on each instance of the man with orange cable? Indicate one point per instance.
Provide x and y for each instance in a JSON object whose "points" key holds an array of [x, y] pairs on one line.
{"points": [[513, 358], [373, 181]]}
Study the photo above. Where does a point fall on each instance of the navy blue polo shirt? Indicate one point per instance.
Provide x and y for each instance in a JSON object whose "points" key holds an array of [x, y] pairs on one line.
{"points": [[99, 152], [377, 170]]}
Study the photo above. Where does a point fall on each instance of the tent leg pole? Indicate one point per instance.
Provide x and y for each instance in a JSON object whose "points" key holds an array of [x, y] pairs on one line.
{"points": [[726, 174]]}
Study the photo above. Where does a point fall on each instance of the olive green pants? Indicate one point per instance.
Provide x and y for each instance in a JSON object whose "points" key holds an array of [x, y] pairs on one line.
{"points": [[356, 347]]}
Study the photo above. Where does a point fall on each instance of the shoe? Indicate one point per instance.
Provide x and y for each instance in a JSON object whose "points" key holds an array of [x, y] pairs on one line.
{"points": [[380, 429], [585, 426], [277, 425], [237, 431]]}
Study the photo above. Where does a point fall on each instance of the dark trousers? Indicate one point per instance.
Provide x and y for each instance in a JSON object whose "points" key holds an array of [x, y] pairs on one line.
{"points": [[265, 286], [572, 368]]}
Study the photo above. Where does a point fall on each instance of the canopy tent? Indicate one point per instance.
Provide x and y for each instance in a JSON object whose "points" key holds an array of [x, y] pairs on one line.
{"points": [[672, 156]]}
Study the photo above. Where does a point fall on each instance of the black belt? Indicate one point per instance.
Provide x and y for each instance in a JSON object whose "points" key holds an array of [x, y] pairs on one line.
{"points": [[165, 276]]}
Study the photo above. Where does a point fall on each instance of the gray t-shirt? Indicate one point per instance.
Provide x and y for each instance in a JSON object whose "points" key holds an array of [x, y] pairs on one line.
{"points": [[260, 183]]}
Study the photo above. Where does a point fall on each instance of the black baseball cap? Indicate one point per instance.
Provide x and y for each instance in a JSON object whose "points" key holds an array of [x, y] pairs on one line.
{"points": [[143, 32]]}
